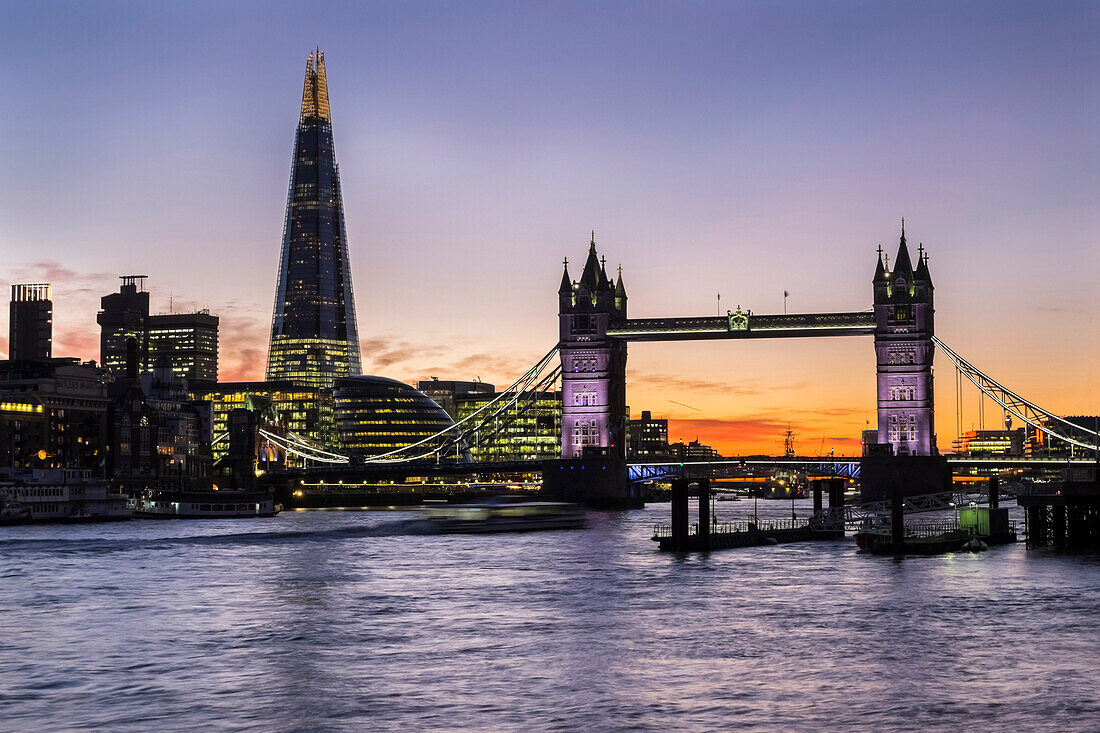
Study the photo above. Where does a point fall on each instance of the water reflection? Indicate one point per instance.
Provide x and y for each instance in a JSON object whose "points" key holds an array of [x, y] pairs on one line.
{"points": [[347, 621]]}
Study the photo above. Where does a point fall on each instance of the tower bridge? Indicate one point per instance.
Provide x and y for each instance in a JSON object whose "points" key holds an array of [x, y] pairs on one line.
{"points": [[590, 361], [594, 331]]}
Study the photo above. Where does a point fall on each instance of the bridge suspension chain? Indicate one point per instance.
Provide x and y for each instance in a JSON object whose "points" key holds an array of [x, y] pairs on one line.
{"points": [[453, 435], [297, 447], [534, 380], [506, 415], [1055, 426]]}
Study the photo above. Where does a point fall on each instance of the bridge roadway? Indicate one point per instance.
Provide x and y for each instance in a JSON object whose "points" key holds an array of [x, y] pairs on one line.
{"points": [[745, 325], [842, 466]]}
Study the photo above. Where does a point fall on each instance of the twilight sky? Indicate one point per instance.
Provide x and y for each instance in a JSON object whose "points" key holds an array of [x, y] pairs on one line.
{"points": [[741, 148]]}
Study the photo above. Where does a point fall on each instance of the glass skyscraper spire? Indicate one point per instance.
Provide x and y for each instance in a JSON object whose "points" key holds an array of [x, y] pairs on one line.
{"points": [[313, 334]]}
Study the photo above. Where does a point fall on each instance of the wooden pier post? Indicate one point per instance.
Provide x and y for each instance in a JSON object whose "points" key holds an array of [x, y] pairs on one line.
{"points": [[897, 518], [704, 513], [994, 492], [679, 513], [815, 486], [836, 493]]}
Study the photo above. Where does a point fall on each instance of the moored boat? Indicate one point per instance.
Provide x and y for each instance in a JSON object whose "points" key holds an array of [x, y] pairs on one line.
{"points": [[12, 511], [206, 505]]}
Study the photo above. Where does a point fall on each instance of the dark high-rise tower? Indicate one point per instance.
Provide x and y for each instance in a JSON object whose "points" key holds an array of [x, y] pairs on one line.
{"points": [[122, 316], [313, 334], [30, 328]]}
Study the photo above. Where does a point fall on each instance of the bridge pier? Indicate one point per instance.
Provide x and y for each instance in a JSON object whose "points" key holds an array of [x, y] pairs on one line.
{"points": [[704, 513], [679, 514], [596, 481], [681, 526], [897, 518]]}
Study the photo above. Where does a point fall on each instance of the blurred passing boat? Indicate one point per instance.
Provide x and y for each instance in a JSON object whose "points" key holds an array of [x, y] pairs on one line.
{"points": [[504, 514]]}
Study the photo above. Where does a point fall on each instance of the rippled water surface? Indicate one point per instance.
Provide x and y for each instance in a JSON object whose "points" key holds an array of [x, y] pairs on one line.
{"points": [[331, 620]]}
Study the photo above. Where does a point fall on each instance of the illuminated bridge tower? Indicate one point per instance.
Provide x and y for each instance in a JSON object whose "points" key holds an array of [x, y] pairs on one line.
{"points": [[593, 365], [313, 334], [903, 349]]}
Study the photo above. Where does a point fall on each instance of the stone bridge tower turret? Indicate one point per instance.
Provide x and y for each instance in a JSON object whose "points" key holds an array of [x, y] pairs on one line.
{"points": [[904, 325], [593, 364]]}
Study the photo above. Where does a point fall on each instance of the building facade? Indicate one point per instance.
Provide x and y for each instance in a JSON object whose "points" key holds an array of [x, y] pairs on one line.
{"points": [[24, 430], [74, 404], [30, 323], [984, 443], [313, 333], [156, 433], [647, 437], [188, 340], [444, 391], [377, 415], [530, 429], [1038, 444], [291, 407], [121, 317]]}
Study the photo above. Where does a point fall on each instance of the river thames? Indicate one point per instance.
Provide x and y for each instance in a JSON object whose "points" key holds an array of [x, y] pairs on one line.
{"points": [[347, 620]]}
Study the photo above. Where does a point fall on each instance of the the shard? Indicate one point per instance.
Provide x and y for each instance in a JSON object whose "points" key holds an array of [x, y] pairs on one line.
{"points": [[313, 334]]}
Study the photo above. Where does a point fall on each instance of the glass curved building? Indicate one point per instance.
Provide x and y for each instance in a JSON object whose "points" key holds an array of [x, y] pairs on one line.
{"points": [[376, 415]]}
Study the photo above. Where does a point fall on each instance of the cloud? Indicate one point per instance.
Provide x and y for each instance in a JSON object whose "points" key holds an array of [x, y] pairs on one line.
{"points": [[77, 342], [667, 381], [59, 276], [494, 364], [242, 347], [834, 411], [725, 386]]}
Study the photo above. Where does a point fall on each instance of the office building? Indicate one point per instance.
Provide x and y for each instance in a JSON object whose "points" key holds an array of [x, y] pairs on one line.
{"points": [[188, 340], [30, 324], [444, 391], [122, 316], [530, 429], [693, 451], [377, 415], [313, 333], [294, 408], [156, 433], [74, 402], [985, 443], [24, 430], [647, 437]]}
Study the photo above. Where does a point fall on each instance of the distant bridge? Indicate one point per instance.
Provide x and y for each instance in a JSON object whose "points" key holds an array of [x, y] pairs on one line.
{"points": [[845, 467]]}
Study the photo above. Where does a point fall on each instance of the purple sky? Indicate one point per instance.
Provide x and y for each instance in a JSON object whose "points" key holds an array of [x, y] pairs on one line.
{"points": [[741, 148]]}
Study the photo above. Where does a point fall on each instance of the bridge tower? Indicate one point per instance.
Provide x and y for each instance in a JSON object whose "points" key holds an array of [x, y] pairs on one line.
{"points": [[593, 384], [903, 349]]}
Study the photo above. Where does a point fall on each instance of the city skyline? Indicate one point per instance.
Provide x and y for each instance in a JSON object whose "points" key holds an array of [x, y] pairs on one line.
{"points": [[721, 166]]}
